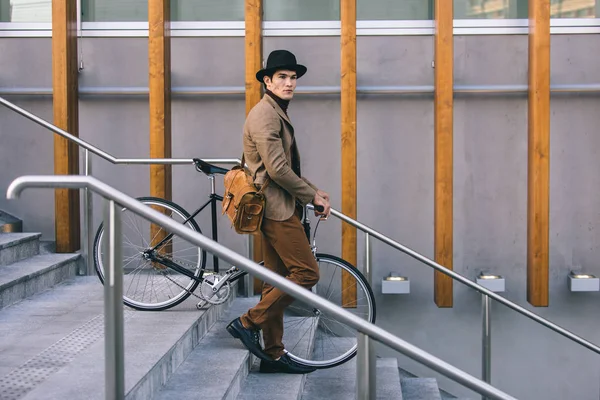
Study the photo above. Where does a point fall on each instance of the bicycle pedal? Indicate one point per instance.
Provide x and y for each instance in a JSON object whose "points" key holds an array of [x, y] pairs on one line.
{"points": [[202, 305]]}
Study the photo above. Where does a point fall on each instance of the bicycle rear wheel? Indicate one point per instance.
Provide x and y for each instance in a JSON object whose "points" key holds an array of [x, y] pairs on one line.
{"points": [[316, 338], [149, 285]]}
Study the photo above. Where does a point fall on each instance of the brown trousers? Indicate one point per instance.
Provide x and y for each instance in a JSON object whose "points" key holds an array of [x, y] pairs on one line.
{"points": [[286, 251]]}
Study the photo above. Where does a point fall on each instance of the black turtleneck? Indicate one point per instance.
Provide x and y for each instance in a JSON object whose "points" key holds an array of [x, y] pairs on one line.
{"points": [[281, 102], [284, 105]]}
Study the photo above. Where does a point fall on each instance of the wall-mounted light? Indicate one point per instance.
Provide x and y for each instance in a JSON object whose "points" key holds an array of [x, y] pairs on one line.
{"points": [[395, 284], [495, 283], [580, 282]]}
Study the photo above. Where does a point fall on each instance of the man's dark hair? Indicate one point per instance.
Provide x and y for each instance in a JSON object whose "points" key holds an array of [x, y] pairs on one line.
{"points": [[270, 77]]}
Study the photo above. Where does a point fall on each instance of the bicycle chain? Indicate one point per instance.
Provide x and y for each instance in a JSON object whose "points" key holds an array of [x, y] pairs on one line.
{"points": [[176, 283], [182, 287]]}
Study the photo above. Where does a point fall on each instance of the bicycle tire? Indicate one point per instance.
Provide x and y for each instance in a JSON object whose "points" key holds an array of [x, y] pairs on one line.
{"points": [[172, 299], [323, 361]]}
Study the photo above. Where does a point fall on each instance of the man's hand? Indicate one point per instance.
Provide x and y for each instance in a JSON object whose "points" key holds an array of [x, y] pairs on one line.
{"points": [[323, 194], [324, 202]]}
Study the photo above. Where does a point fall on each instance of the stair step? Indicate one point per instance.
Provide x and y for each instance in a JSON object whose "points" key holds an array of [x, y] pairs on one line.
{"points": [[340, 382], [36, 274], [282, 386], [52, 344], [18, 246], [388, 380], [420, 389], [217, 366]]}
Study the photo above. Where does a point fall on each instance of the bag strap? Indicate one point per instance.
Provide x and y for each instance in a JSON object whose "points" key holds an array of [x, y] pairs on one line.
{"points": [[264, 185]]}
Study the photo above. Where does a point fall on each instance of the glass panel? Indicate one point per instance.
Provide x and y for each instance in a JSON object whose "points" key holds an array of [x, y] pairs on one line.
{"points": [[574, 8], [490, 9], [495, 9], [114, 10], [394, 10], [302, 10], [207, 10], [25, 10]]}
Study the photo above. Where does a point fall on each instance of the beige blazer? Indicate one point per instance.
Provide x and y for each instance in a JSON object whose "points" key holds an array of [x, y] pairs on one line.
{"points": [[268, 149]]}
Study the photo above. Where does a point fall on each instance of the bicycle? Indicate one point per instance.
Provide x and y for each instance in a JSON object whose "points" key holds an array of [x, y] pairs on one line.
{"points": [[162, 270]]}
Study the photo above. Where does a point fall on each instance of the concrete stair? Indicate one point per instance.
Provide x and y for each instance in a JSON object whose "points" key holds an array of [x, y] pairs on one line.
{"points": [[52, 343], [18, 246], [52, 328], [282, 386], [26, 271], [52, 347], [420, 389], [340, 382], [221, 368], [217, 367]]}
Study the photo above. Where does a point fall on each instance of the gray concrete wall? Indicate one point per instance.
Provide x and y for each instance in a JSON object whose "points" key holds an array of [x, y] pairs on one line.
{"points": [[395, 175], [26, 148]]}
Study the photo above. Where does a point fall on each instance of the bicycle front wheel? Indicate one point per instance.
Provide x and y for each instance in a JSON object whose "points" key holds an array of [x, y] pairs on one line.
{"points": [[150, 285], [316, 338]]}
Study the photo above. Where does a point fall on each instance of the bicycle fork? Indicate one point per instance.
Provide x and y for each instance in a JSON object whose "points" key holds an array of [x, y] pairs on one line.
{"points": [[306, 225]]}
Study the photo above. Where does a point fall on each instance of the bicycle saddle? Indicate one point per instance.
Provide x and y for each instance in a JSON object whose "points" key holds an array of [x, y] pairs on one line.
{"points": [[209, 169]]}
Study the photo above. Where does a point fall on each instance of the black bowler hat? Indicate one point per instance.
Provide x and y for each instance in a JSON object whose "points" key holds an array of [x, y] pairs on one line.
{"points": [[280, 59]]}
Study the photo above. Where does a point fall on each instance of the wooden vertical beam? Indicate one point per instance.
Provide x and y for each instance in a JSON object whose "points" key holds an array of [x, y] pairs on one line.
{"points": [[159, 63], [159, 67], [538, 153], [253, 51], [66, 117], [253, 54], [443, 170], [348, 132]]}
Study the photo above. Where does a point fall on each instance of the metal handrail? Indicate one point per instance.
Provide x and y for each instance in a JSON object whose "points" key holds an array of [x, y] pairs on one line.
{"points": [[297, 291], [469, 283], [101, 153]]}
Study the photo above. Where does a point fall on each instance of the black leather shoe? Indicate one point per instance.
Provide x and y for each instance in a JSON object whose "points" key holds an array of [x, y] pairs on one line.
{"points": [[284, 365], [249, 337]]}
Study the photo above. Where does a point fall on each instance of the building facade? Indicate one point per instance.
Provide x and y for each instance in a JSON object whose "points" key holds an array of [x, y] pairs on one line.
{"points": [[395, 149]]}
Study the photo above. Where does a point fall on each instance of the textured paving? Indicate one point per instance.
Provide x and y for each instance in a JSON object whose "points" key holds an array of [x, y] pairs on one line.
{"points": [[52, 344]]}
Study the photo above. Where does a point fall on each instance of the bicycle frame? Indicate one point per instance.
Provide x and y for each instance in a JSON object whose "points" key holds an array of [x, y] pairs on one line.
{"points": [[233, 272], [213, 198]]}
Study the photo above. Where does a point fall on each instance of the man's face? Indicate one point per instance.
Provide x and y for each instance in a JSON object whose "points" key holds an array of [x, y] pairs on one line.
{"points": [[282, 84]]}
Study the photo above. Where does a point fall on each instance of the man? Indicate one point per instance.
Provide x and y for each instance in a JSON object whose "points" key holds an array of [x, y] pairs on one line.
{"points": [[272, 157]]}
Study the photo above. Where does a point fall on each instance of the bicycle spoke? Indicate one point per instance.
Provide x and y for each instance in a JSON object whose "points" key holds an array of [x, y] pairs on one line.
{"points": [[136, 227], [150, 284], [335, 341], [309, 329]]}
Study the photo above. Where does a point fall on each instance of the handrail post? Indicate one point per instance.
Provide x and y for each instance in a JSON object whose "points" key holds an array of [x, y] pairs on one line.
{"points": [[88, 218], [486, 343], [114, 359], [366, 367]]}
